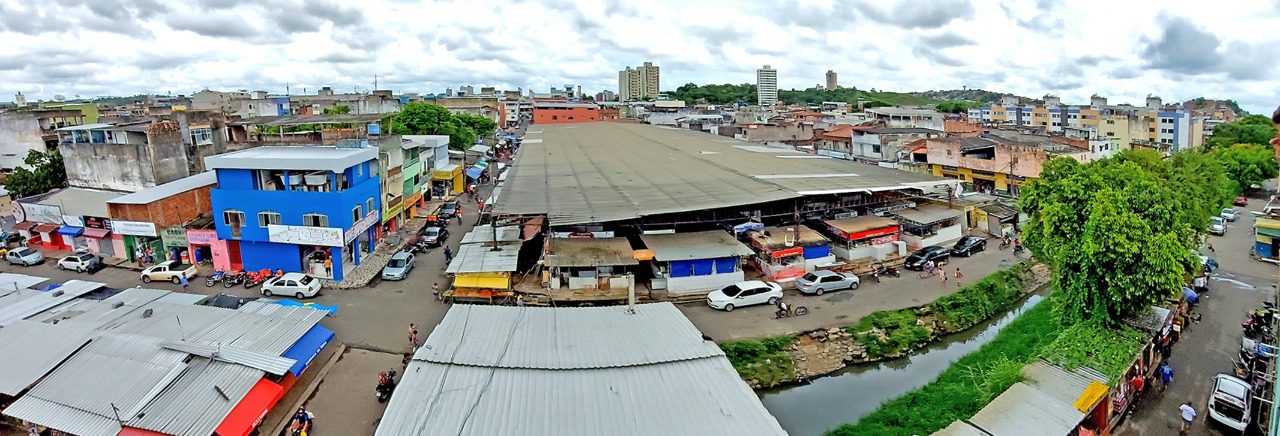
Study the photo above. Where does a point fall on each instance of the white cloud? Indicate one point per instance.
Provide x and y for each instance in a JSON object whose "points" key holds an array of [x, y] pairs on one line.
{"points": [[1125, 50]]}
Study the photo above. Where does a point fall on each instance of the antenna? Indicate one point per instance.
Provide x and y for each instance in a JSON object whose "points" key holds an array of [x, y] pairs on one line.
{"points": [[181, 333]]}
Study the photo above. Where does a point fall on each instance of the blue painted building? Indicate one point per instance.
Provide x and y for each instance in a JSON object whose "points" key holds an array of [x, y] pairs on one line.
{"points": [[291, 208]]}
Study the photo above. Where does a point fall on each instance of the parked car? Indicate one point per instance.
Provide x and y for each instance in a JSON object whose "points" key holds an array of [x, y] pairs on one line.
{"points": [[81, 262], [917, 260], [1229, 214], [1217, 226], [968, 245], [298, 285], [1229, 402], [24, 256], [435, 236], [750, 292], [11, 238], [399, 265], [1241, 201], [448, 210], [170, 270], [821, 281]]}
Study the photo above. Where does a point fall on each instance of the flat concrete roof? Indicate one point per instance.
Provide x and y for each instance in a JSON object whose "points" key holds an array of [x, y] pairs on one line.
{"points": [[602, 172], [292, 158], [158, 192]]}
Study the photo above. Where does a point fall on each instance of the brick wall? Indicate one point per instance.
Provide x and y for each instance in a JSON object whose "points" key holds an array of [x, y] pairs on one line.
{"points": [[167, 212]]}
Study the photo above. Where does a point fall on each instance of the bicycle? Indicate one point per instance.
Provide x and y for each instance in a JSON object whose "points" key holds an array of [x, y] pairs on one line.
{"points": [[929, 272], [790, 312]]}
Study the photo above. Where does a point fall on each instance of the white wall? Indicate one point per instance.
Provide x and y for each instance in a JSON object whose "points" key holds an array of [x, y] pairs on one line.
{"points": [[945, 236], [702, 284]]}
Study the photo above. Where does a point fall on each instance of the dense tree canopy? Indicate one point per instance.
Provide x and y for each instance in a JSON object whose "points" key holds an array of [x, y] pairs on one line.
{"points": [[957, 107], [43, 172], [715, 94], [1252, 129], [418, 118], [483, 126], [1246, 164], [1118, 232]]}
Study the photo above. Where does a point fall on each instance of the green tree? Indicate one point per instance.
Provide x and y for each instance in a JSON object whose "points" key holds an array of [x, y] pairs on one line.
{"points": [[43, 172], [957, 107], [341, 109], [418, 118], [1252, 129], [1246, 164], [1118, 232], [483, 126]]}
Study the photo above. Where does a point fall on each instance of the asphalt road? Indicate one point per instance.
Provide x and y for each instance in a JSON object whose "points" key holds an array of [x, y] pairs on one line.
{"points": [[1240, 285]]}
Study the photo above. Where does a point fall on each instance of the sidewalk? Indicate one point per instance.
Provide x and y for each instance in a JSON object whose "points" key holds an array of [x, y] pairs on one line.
{"points": [[372, 264]]}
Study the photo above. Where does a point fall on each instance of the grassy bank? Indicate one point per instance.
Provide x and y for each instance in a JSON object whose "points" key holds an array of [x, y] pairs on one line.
{"points": [[766, 361], [968, 385]]}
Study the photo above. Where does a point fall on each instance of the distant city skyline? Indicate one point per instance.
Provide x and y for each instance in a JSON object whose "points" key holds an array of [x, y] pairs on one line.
{"points": [[1176, 49]]}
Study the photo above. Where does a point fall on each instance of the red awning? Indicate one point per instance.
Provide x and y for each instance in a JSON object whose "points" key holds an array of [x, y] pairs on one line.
{"points": [[96, 233], [46, 228], [25, 225], [131, 431], [249, 412]]}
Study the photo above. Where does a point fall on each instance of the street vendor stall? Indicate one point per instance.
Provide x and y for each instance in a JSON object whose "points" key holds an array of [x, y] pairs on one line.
{"points": [[864, 237], [482, 273], [785, 253], [695, 262], [929, 224], [589, 268]]}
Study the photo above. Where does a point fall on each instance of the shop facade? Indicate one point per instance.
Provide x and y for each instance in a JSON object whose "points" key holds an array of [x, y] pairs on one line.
{"points": [[155, 218], [786, 253], [97, 234], [864, 237], [447, 180], [695, 262], [131, 236]]}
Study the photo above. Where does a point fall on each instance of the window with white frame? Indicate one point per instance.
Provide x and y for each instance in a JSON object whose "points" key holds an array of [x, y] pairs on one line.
{"points": [[355, 214], [233, 219], [315, 220], [368, 204], [266, 218], [202, 136]]}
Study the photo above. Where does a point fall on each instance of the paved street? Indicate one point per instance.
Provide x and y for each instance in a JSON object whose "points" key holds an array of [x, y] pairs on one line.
{"points": [[1240, 285], [845, 307]]}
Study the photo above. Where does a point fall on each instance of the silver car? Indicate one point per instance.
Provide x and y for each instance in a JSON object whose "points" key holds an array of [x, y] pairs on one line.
{"points": [[1217, 225], [23, 256], [399, 266], [822, 281], [1229, 214]]}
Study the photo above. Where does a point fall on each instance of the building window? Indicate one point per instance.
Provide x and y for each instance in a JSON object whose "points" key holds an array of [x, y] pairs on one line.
{"points": [[360, 170], [233, 219], [266, 218], [202, 136], [315, 220], [368, 205], [355, 214]]}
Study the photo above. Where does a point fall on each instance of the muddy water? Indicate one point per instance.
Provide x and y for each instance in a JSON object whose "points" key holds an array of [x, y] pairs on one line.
{"points": [[845, 396]]}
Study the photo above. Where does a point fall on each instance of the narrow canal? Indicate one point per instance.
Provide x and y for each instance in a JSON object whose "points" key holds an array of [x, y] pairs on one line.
{"points": [[845, 396]]}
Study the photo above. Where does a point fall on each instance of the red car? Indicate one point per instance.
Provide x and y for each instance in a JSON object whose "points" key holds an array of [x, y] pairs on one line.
{"points": [[1241, 201]]}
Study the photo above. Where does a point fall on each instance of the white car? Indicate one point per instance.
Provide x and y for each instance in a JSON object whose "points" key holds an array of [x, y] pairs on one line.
{"points": [[750, 292], [1229, 402], [1217, 225], [23, 256], [296, 284], [80, 262], [1229, 214], [170, 270]]}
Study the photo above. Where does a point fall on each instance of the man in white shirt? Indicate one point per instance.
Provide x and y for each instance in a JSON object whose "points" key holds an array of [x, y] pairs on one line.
{"points": [[1188, 415]]}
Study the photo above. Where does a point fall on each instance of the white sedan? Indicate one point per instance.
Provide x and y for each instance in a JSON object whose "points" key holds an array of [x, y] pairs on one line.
{"points": [[296, 284], [748, 293]]}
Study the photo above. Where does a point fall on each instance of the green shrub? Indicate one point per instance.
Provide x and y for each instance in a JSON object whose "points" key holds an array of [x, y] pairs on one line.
{"points": [[767, 361], [1090, 344]]}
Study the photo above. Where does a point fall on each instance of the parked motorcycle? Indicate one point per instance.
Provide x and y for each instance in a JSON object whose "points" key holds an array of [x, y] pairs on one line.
{"points": [[884, 271], [785, 311], [214, 278], [232, 279], [386, 385], [256, 278]]}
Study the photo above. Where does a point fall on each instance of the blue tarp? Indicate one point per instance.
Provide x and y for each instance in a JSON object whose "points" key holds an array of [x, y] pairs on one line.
{"points": [[70, 230], [747, 226], [307, 348], [681, 268], [726, 264], [474, 172], [1190, 295], [333, 310], [702, 267], [817, 251]]}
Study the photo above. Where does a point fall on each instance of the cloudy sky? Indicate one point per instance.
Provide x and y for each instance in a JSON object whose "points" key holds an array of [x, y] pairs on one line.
{"points": [[1120, 49]]}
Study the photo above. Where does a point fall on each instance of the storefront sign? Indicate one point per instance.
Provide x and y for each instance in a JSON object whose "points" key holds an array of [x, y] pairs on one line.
{"points": [[360, 226], [94, 222], [135, 228], [393, 211], [73, 220], [202, 237], [300, 235], [174, 237], [793, 251], [40, 213], [413, 198]]}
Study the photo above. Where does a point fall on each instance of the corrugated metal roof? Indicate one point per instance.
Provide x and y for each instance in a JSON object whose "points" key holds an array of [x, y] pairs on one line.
{"points": [[479, 258], [589, 252], [113, 369], [961, 428], [44, 301], [928, 214], [565, 338], [160, 192], [484, 234], [1043, 404], [261, 328], [36, 349], [13, 281], [262, 362], [571, 371], [194, 403], [695, 245]]}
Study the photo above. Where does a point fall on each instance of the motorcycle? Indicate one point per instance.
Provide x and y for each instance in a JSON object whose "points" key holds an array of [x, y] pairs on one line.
{"points": [[884, 271], [1018, 249], [790, 311], [232, 279], [386, 385], [1005, 243], [303, 426], [215, 278], [255, 279]]}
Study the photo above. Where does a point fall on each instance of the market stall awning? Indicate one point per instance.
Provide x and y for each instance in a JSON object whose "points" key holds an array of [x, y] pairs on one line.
{"points": [[46, 228], [249, 412], [481, 282], [474, 172], [307, 347], [70, 230], [479, 149], [1274, 233], [25, 225], [926, 215], [446, 172], [96, 233]]}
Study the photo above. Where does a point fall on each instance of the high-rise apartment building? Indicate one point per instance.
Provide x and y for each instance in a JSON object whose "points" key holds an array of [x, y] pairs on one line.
{"points": [[639, 83], [1153, 126], [766, 86], [831, 80]]}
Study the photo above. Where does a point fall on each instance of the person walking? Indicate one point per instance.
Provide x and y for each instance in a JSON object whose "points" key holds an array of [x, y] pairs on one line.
{"points": [[1166, 375], [413, 337], [435, 291], [459, 213], [140, 256], [448, 255], [328, 266], [959, 276], [1188, 416], [182, 280]]}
